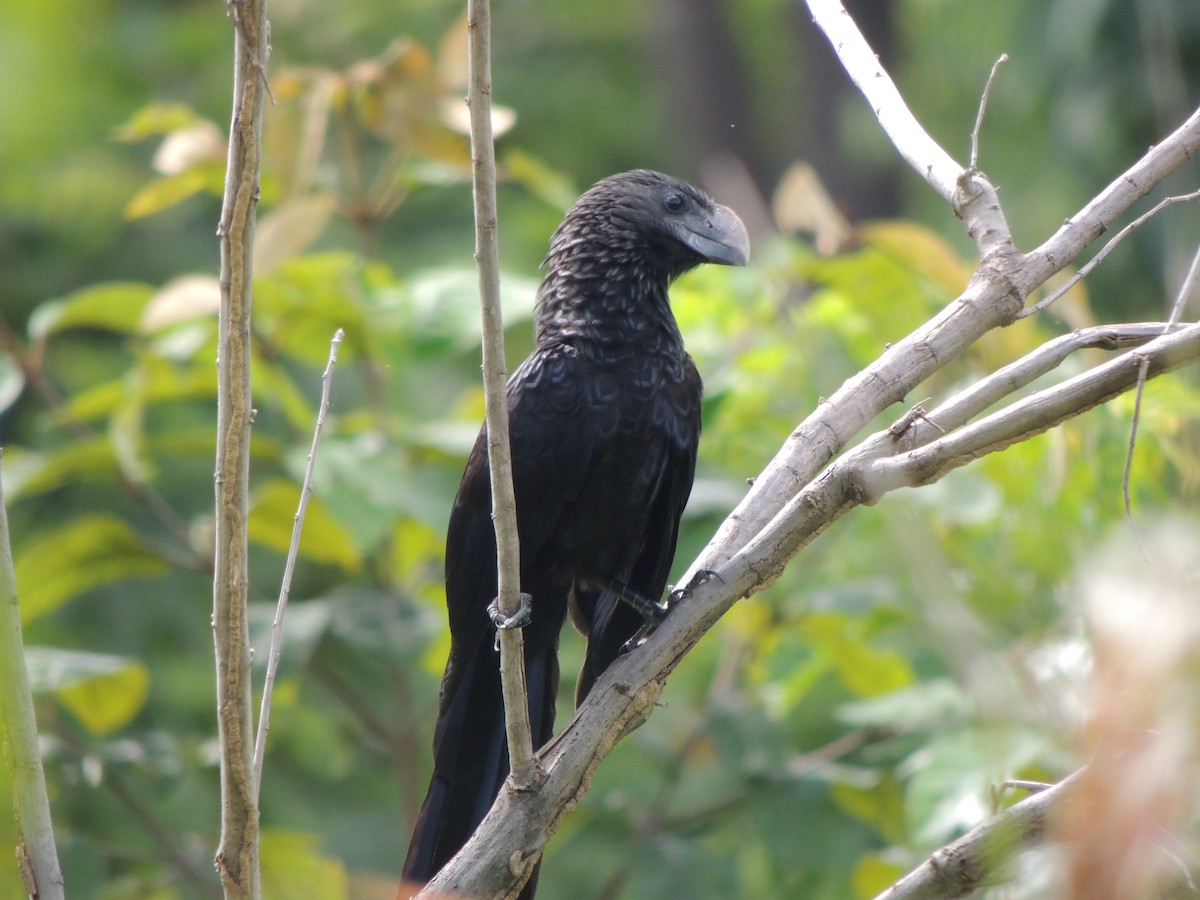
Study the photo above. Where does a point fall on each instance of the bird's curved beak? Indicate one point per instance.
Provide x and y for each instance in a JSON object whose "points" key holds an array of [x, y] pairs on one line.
{"points": [[720, 237]]}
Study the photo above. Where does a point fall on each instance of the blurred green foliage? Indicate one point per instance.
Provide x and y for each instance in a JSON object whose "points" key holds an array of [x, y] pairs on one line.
{"points": [[830, 732]]}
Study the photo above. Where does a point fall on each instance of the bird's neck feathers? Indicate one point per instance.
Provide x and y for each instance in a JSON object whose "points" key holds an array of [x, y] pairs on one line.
{"points": [[615, 306], [606, 286]]}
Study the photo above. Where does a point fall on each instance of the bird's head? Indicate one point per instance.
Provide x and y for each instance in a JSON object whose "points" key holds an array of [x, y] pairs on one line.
{"points": [[650, 221]]}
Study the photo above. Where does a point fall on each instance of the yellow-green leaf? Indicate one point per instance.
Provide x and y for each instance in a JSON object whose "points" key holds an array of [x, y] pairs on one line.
{"points": [[873, 875], [154, 119], [84, 554], [293, 868], [103, 692], [27, 473], [12, 381], [290, 229], [324, 539], [114, 306], [163, 192]]}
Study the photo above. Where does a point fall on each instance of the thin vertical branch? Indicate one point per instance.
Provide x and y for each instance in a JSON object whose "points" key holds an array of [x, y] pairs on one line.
{"points": [[285, 587], [504, 506], [37, 857], [237, 856], [1185, 291], [983, 101]]}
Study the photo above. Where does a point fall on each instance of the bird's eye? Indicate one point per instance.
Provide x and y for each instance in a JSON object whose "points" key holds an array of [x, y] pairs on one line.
{"points": [[673, 202]]}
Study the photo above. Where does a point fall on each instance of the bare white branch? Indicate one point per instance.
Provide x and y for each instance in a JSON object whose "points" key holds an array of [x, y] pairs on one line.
{"points": [[1005, 381], [285, 587], [968, 864], [1033, 414], [912, 141]]}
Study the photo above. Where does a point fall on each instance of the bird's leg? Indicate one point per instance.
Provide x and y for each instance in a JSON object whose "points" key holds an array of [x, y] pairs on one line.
{"points": [[674, 597], [651, 610]]}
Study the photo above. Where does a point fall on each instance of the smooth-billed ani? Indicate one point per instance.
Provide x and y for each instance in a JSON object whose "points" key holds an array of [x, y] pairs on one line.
{"points": [[604, 418]]}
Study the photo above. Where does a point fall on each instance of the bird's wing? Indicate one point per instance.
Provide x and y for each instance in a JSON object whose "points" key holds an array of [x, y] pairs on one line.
{"points": [[551, 449], [610, 622], [551, 452]]}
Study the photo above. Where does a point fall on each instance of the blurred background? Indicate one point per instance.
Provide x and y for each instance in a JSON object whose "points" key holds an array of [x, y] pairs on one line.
{"points": [[837, 727]]}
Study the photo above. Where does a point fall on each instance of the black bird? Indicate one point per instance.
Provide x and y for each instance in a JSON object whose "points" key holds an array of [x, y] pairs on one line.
{"points": [[604, 419]]}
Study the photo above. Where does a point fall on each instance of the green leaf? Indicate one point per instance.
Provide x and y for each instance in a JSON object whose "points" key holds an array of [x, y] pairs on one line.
{"points": [[28, 473], [275, 385], [950, 777], [154, 119], [305, 624], [293, 868], [169, 190], [864, 669], [66, 562], [103, 692], [303, 301], [874, 874], [273, 512], [539, 179], [114, 306], [927, 704], [446, 302]]}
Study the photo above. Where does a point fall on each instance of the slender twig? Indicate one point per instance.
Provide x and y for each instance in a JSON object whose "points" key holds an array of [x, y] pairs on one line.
{"points": [[1086, 269], [285, 587], [971, 861], [983, 100], [1033, 414], [504, 506], [1186, 289], [911, 140], [36, 853], [1126, 498], [916, 430], [1181, 298], [1101, 212], [237, 858]]}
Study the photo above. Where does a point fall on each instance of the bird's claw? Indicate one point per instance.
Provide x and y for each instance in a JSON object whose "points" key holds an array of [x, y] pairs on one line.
{"points": [[639, 637], [653, 613], [678, 595], [522, 617]]}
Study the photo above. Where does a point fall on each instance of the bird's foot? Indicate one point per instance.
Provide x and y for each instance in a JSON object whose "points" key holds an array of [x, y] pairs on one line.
{"points": [[679, 594], [654, 613], [522, 617]]}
